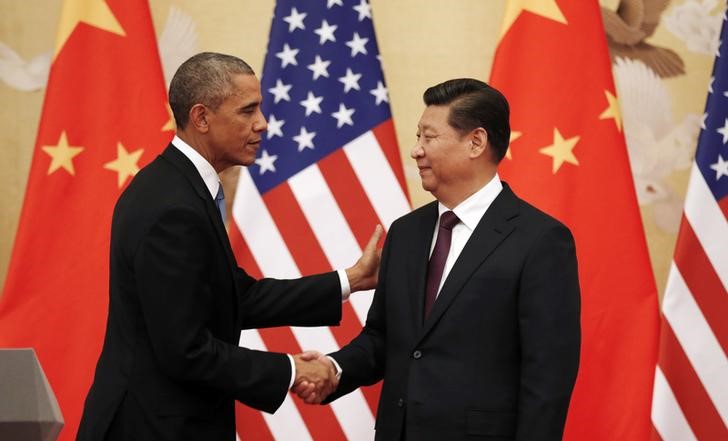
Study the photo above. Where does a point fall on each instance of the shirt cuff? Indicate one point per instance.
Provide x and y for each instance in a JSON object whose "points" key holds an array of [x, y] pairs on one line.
{"points": [[339, 371], [345, 287], [293, 370]]}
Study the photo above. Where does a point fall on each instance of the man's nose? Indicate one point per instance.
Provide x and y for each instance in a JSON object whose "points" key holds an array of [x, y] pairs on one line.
{"points": [[417, 151]]}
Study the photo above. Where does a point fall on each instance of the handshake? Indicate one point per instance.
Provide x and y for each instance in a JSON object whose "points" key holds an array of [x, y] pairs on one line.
{"points": [[315, 377]]}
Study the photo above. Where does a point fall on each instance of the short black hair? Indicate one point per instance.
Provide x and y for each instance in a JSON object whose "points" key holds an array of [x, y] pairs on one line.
{"points": [[205, 78], [474, 104]]}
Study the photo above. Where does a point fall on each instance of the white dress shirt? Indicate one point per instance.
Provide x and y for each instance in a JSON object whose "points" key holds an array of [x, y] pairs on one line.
{"points": [[469, 211], [212, 182]]}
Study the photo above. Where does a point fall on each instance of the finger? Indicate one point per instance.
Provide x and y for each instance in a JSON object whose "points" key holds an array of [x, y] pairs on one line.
{"points": [[310, 355], [374, 240]]}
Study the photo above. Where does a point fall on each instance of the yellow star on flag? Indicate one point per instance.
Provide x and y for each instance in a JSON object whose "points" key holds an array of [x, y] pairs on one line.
{"points": [[612, 111], [514, 136], [125, 164], [545, 8], [561, 150], [92, 12], [62, 155], [170, 125]]}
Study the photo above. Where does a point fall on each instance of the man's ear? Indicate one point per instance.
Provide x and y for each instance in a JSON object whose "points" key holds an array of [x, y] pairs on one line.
{"points": [[478, 142], [199, 118]]}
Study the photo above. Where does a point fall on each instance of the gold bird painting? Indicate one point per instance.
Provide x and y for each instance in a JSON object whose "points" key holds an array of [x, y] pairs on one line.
{"points": [[627, 28]]}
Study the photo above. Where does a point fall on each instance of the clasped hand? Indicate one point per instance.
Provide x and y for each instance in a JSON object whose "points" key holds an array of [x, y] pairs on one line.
{"points": [[315, 377]]}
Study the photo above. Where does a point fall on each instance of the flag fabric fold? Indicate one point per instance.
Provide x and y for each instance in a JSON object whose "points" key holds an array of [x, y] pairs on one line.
{"points": [[568, 157], [103, 118], [691, 379], [327, 172]]}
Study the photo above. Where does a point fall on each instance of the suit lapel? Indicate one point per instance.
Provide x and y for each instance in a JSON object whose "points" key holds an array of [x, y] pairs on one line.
{"points": [[185, 166], [421, 240], [495, 225]]}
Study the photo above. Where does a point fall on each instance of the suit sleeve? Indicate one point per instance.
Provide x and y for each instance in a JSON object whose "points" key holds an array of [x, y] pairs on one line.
{"points": [[308, 301], [362, 360], [548, 313], [172, 266]]}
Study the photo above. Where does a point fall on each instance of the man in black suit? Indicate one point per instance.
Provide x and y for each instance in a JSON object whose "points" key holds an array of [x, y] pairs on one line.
{"points": [[474, 326], [171, 368]]}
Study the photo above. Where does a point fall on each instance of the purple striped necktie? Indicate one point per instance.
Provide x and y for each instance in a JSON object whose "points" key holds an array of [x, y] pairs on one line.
{"points": [[436, 266]]}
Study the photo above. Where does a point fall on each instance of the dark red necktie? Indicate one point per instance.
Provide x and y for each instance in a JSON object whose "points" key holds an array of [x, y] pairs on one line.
{"points": [[438, 258]]}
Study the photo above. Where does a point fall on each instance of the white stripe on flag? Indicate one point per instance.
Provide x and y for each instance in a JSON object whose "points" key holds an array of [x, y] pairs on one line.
{"points": [[352, 410], [697, 340], [377, 178], [286, 423], [330, 228], [260, 232], [667, 417], [708, 222]]}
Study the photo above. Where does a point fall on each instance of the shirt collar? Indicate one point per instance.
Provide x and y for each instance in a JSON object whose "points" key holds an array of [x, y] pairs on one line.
{"points": [[204, 168], [472, 209]]}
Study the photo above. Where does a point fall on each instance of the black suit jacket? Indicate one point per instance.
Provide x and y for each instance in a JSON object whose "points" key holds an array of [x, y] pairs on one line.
{"points": [[497, 357], [171, 367]]}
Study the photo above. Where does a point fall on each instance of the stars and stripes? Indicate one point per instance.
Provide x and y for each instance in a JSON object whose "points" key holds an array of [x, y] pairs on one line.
{"points": [[691, 379], [327, 172]]}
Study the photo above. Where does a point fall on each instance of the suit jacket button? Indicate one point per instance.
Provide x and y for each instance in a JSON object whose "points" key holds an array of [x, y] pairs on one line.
{"points": [[400, 403], [417, 355]]}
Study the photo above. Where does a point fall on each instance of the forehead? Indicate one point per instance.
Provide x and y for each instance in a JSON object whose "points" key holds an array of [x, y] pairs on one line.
{"points": [[434, 117], [245, 87]]}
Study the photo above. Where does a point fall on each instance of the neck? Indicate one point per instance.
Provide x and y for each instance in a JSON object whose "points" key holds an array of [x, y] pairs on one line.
{"points": [[198, 143], [455, 197]]}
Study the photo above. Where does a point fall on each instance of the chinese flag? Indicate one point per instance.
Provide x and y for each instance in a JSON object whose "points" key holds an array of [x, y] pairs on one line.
{"points": [[568, 157], [104, 117]]}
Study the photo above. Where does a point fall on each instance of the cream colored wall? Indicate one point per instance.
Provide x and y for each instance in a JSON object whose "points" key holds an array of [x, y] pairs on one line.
{"points": [[422, 42]]}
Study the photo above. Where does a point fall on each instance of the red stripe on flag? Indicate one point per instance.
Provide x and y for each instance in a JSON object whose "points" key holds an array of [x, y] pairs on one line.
{"points": [[723, 204], [350, 196], [320, 420], [387, 139], [689, 392], [242, 252], [703, 282], [251, 425], [654, 436]]}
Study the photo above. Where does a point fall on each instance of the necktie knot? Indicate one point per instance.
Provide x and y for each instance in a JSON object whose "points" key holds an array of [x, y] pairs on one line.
{"points": [[448, 220], [220, 202]]}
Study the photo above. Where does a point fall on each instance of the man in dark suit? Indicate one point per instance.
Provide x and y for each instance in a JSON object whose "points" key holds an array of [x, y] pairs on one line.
{"points": [[171, 368], [474, 326]]}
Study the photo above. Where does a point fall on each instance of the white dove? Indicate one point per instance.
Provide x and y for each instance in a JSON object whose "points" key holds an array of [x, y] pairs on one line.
{"points": [[26, 76], [177, 43], [657, 146]]}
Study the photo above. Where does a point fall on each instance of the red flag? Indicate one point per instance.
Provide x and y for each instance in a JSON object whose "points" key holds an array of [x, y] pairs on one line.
{"points": [[104, 117], [568, 157]]}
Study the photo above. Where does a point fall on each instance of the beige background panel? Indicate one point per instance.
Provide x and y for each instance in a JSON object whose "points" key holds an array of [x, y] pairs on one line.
{"points": [[422, 42]]}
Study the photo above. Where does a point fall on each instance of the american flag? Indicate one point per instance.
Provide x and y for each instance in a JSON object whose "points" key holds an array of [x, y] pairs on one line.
{"points": [[328, 171], [691, 380]]}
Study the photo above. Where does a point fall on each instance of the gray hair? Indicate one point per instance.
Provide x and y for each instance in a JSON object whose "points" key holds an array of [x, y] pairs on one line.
{"points": [[206, 78]]}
